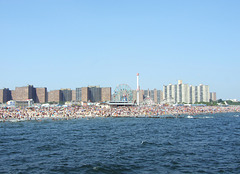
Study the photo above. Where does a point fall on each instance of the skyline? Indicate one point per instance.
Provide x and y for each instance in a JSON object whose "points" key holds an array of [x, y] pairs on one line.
{"points": [[62, 44], [139, 88]]}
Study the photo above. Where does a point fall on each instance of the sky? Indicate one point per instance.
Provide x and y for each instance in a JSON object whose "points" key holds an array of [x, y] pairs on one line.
{"points": [[75, 43]]}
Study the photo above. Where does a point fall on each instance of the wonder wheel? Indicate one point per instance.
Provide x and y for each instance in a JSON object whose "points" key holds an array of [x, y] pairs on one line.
{"points": [[123, 93]]}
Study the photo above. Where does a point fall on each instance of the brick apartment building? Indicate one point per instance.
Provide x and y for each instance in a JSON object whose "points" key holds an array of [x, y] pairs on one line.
{"points": [[55, 96], [39, 95]]}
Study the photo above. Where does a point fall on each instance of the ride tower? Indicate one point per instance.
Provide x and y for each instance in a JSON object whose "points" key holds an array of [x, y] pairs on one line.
{"points": [[138, 90]]}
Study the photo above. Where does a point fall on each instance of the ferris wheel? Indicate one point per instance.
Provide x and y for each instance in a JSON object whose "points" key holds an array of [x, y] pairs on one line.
{"points": [[123, 93]]}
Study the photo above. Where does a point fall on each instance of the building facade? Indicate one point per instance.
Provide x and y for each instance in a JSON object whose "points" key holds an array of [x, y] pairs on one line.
{"points": [[203, 93], [106, 94], [66, 95], [74, 97], [84, 94], [94, 94], [24, 93], [192, 94], [171, 94], [38, 95], [55, 96], [41, 95], [183, 93], [5, 95], [141, 96], [78, 94], [155, 95], [213, 96]]}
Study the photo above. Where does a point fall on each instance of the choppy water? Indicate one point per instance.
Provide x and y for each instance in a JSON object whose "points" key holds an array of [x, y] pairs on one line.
{"points": [[210, 144]]}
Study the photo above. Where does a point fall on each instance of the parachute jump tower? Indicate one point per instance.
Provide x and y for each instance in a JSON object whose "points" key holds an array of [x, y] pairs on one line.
{"points": [[138, 89]]}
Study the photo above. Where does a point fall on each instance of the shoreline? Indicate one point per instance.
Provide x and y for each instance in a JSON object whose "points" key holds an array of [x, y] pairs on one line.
{"points": [[66, 113], [40, 118]]}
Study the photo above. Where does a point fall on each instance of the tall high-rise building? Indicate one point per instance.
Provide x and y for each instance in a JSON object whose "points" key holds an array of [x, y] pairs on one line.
{"points": [[192, 94], [196, 94], [141, 95], [24, 93], [55, 96], [183, 93], [170, 93], [41, 95], [93, 94], [160, 96], [213, 96], [74, 95], [155, 95], [203, 93], [5, 95], [85, 94], [146, 93], [106, 94], [66, 95], [78, 94], [165, 96]]}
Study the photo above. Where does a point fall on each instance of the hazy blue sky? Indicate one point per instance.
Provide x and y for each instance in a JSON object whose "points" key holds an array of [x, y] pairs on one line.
{"points": [[73, 43]]}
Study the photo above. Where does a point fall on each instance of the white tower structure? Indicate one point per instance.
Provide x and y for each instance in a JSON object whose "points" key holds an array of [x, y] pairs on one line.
{"points": [[138, 89]]}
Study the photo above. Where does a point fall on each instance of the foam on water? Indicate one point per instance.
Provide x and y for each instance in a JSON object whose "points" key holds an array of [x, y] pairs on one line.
{"points": [[189, 116]]}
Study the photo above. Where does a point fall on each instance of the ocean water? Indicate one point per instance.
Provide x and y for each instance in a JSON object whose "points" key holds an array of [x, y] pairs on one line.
{"points": [[207, 144]]}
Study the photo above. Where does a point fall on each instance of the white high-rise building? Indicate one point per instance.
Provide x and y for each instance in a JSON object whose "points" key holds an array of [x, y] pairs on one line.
{"points": [[192, 94], [183, 93], [169, 93], [164, 94], [203, 93]]}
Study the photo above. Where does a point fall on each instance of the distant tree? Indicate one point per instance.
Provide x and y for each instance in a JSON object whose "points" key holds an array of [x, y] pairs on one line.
{"points": [[220, 101], [230, 102]]}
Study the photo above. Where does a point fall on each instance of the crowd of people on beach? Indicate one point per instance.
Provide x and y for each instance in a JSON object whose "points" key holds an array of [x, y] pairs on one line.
{"points": [[21, 114]]}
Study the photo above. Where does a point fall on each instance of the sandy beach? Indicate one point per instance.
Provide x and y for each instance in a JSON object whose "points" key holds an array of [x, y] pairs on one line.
{"points": [[65, 113]]}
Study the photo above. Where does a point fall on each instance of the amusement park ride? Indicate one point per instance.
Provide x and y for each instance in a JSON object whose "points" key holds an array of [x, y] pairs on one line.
{"points": [[123, 93], [138, 90], [123, 96]]}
